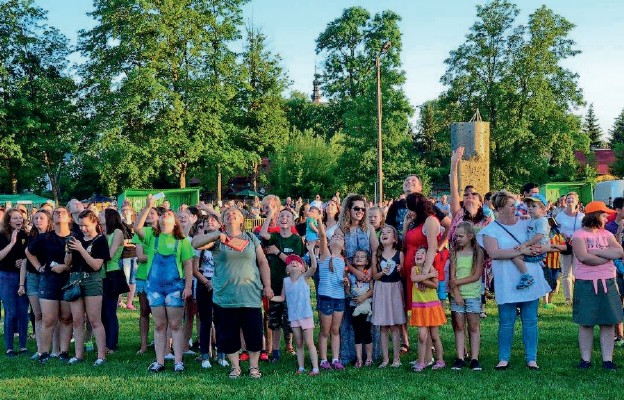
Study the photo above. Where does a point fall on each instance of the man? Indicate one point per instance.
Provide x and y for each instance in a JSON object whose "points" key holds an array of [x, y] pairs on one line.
{"points": [[75, 207], [487, 205], [444, 206], [616, 227]]}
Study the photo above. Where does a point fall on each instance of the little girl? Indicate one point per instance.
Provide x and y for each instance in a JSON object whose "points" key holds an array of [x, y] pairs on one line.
{"points": [[427, 312], [361, 293], [465, 286], [296, 293], [388, 307], [331, 300]]}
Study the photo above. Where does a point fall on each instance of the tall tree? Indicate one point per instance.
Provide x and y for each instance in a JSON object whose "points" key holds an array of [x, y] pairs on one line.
{"points": [[38, 118], [350, 45], [591, 127], [617, 132], [514, 75], [157, 82]]}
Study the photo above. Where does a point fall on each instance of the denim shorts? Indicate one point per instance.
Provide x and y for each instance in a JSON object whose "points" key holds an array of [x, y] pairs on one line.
{"points": [[90, 283], [327, 305], [165, 295], [141, 284], [442, 294], [51, 286], [471, 306], [32, 284], [129, 266]]}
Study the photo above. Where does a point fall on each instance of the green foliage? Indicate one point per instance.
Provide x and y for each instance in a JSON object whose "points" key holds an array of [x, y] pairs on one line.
{"points": [[591, 127], [514, 75], [307, 164], [350, 45], [618, 166], [617, 132]]}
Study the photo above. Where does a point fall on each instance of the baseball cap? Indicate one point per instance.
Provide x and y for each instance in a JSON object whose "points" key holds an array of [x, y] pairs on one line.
{"points": [[295, 258], [597, 206], [537, 198]]}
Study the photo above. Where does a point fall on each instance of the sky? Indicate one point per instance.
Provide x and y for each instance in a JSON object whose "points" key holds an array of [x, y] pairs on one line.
{"points": [[430, 30]]}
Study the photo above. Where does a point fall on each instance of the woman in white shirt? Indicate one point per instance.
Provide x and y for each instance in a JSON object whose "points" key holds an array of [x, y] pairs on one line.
{"points": [[569, 221]]}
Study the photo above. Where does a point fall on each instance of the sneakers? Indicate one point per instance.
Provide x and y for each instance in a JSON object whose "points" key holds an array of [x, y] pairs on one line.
{"points": [[439, 365], [475, 365], [264, 356], [156, 367], [609, 366], [169, 357], [64, 356], [275, 357], [418, 367], [74, 361], [325, 365], [337, 365], [190, 352], [584, 364], [526, 280], [178, 367], [206, 364], [223, 362], [89, 346], [43, 358], [98, 362], [314, 372], [35, 356], [10, 353], [458, 364], [244, 356]]}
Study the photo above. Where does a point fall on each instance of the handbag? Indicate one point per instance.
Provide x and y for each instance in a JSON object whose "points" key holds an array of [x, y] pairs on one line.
{"points": [[72, 291], [115, 283], [568, 241]]}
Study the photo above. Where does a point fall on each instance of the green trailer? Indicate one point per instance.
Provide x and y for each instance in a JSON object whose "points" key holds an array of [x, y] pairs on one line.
{"points": [[176, 197], [552, 191]]}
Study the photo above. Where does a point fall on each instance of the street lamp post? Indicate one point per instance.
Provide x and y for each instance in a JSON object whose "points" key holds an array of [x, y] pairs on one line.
{"points": [[384, 49]]}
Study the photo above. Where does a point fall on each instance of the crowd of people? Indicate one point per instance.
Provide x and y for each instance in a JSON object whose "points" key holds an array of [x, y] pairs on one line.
{"points": [[377, 270]]}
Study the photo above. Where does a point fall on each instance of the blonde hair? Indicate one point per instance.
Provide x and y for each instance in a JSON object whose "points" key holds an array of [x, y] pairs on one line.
{"points": [[500, 198], [468, 228]]}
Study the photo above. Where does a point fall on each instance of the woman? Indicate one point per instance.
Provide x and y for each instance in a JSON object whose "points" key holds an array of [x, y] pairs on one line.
{"points": [[141, 278], [354, 233], [500, 240], [169, 281], [12, 255], [569, 221], [115, 239], [596, 298], [128, 256], [241, 277], [42, 223], [330, 218], [300, 223], [85, 258], [470, 210], [46, 253]]}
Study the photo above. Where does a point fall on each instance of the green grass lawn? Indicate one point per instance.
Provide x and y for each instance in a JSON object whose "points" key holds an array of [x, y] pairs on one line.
{"points": [[126, 376]]}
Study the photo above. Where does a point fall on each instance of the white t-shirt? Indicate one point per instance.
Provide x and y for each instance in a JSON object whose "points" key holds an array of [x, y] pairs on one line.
{"points": [[506, 275], [567, 224]]}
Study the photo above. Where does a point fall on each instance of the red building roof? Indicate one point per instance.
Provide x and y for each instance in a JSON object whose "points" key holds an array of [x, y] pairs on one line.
{"points": [[604, 159]]}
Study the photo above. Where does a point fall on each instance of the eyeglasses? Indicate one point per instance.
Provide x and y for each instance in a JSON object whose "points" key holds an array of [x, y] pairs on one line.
{"points": [[358, 209], [471, 194]]}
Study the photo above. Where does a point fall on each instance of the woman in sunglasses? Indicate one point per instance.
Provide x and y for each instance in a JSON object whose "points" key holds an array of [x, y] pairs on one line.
{"points": [[354, 233]]}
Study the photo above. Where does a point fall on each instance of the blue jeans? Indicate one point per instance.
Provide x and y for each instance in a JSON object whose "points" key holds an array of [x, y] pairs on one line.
{"points": [[110, 321], [15, 309], [506, 322]]}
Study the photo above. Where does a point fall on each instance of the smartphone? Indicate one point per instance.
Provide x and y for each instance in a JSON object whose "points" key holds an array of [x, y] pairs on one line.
{"points": [[67, 240], [158, 196]]}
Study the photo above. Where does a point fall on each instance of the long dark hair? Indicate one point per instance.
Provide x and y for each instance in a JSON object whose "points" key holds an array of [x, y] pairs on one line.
{"points": [[420, 205], [113, 221]]}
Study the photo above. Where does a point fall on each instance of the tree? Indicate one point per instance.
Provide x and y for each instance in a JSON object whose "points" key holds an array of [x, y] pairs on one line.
{"points": [[514, 75], [350, 45], [618, 166], [39, 122], [617, 132], [591, 127], [157, 83]]}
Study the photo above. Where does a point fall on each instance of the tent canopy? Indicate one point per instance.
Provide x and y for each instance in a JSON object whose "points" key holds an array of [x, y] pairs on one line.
{"points": [[28, 199]]}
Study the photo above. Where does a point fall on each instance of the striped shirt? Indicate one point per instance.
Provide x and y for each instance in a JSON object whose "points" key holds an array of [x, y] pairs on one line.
{"points": [[553, 258], [330, 283]]}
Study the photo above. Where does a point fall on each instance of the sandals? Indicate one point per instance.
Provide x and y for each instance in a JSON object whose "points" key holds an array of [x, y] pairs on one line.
{"points": [[368, 362], [383, 364], [358, 364], [404, 349], [235, 373], [396, 364], [254, 373]]}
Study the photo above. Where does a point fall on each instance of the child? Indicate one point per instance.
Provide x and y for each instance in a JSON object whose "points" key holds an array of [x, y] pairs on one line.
{"points": [[376, 219], [427, 312], [388, 307], [553, 261], [296, 293], [465, 285], [331, 300], [312, 224], [538, 233], [361, 293]]}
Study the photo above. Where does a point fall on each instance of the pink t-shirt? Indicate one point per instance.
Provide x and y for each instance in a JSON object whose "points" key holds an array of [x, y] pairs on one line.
{"points": [[594, 240]]}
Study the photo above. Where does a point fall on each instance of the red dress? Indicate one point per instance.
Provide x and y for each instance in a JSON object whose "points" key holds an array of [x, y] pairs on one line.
{"points": [[414, 240]]}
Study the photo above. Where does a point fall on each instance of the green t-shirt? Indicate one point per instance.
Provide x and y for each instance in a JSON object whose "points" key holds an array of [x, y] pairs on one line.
{"points": [[113, 263], [290, 245], [236, 281], [166, 245], [141, 273]]}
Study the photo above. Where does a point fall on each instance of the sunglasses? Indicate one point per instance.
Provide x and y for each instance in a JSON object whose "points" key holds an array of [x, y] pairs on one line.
{"points": [[358, 209], [471, 194]]}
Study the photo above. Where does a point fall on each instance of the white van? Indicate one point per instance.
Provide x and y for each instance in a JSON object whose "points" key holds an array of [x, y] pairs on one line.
{"points": [[604, 190]]}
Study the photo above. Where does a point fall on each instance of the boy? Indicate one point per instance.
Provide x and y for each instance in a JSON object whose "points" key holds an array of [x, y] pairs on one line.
{"points": [[312, 229], [538, 232]]}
